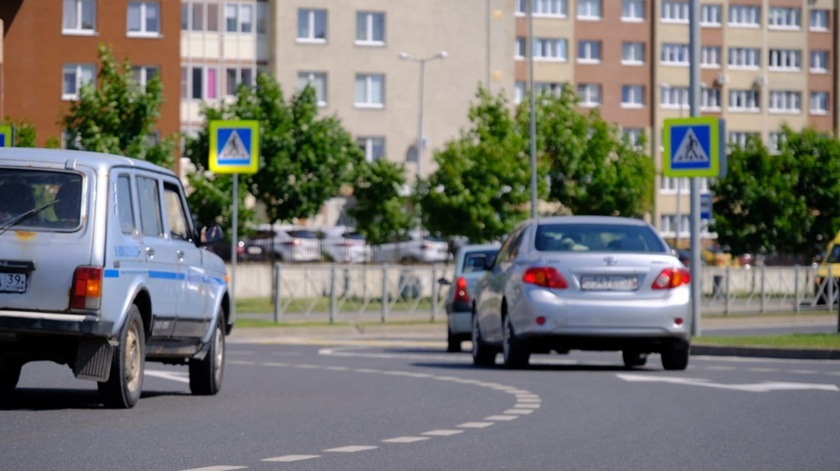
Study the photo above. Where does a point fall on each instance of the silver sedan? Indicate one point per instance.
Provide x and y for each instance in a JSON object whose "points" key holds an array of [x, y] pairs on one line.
{"points": [[583, 283]]}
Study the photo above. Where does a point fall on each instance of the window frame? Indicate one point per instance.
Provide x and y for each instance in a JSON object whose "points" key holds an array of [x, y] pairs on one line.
{"points": [[369, 28], [633, 11], [312, 16], [586, 91], [79, 29], [632, 46], [819, 111], [78, 68], [144, 19], [321, 94], [370, 80], [631, 91], [589, 51], [590, 10]]}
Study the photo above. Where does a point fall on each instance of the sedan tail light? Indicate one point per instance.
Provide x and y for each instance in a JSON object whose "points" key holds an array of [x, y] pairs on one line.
{"points": [[461, 293], [545, 276], [87, 288], [670, 278]]}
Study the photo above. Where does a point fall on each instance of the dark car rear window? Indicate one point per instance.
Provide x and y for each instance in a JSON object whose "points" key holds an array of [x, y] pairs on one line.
{"points": [[53, 198], [477, 260], [598, 237]]}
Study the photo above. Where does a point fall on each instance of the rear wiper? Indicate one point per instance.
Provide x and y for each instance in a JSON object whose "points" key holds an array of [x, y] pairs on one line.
{"points": [[24, 216]]}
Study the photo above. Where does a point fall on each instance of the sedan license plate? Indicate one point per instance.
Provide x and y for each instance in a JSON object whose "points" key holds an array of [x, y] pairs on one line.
{"points": [[609, 283], [13, 282]]}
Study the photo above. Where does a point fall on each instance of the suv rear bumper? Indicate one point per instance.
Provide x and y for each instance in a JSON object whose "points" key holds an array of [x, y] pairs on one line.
{"points": [[58, 324]]}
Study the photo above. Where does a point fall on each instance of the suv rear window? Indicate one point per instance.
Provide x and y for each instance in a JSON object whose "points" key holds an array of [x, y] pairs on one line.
{"points": [[40, 200]]}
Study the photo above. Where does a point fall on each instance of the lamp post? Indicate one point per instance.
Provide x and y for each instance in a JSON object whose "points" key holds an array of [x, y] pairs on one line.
{"points": [[422, 61]]}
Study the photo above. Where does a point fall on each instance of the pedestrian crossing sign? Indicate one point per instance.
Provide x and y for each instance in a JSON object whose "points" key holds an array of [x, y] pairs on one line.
{"points": [[234, 146], [692, 147], [6, 133]]}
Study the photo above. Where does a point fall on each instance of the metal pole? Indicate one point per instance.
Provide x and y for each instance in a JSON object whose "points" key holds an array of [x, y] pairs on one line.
{"points": [[694, 103], [434, 292], [333, 301], [533, 119], [234, 245], [420, 120], [277, 293]]}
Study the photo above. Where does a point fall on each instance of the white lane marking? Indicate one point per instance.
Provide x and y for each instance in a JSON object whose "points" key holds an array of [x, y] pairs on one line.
{"points": [[804, 372], [476, 424], [274, 363], [442, 433], [718, 368], [763, 370], [758, 387], [502, 417], [518, 411], [533, 400], [216, 468], [367, 370], [520, 405], [170, 375], [336, 368], [308, 367], [291, 458], [350, 449], [405, 439], [241, 362]]}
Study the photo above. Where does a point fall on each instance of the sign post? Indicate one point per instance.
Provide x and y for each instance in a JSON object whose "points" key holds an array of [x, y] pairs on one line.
{"points": [[234, 149]]}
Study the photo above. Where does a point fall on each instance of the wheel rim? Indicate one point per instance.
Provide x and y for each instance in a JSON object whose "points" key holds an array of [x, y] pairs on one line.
{"points": [[508, 331], [133, 358], [220, 356]]}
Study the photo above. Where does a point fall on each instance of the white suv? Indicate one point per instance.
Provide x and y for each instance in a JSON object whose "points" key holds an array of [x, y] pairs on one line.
{"points": [[101, 269]]}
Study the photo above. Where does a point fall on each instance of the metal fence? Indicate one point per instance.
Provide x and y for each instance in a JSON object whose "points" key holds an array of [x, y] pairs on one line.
{"points": [[390, 292]]}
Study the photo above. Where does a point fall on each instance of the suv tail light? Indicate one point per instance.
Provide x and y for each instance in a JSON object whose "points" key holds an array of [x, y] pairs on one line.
{"points": [[87, 288], [426, 245], [670, 278], [548, 277], [461, 293]]}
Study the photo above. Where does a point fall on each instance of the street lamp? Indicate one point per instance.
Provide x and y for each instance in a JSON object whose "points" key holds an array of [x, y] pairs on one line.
{"points": [[422, 61]]}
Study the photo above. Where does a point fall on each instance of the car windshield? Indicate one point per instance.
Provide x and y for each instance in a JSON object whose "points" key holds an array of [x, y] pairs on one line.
{"points": [[477, 260], [40, 200], [598, 237]]}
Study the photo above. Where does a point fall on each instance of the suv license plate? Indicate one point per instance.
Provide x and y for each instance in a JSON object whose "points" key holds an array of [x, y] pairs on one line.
{"points": [[609, 283], [13, 282]]}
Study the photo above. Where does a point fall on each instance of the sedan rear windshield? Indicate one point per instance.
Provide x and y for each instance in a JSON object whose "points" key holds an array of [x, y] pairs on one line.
{"points": [[39, 200], [598, 237]]}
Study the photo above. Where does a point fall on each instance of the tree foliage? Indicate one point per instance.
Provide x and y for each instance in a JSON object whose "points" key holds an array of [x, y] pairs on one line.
{"points": [[482, 183], [380, 209], [118, 116], [24, 132]]}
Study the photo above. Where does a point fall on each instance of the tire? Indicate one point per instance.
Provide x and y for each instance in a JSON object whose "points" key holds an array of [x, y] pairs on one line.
{"points": [[453, 342], [9, 378], [515, 353], [483, 354], [206, 374], [675, 356], [123, 388], [633, 359]]}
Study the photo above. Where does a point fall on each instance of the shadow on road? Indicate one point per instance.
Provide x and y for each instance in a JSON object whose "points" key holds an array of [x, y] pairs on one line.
{"points": [[60, 399]]}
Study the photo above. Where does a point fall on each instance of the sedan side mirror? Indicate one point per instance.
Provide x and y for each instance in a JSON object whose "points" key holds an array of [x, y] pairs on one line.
{"points": [[444, 282]]}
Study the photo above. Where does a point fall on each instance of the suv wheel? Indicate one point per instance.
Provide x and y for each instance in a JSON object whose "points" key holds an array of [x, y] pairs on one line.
{"points": [[125, 383], [206, 374], [675, 356], [9, 377], [483, 354], [515, 353]]}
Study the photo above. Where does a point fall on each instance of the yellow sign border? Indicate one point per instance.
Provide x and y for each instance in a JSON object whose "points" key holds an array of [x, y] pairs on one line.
{"points": [[254, 161], [714, 125]]}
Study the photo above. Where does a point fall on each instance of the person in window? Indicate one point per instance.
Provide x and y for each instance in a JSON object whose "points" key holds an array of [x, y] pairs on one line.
{"points": [[68, 202]]}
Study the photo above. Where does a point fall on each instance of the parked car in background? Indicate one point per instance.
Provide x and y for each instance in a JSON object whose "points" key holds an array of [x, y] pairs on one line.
{"points": [[288, 244], [342, 244], [413, 248], [471, 262], [583, 283]]}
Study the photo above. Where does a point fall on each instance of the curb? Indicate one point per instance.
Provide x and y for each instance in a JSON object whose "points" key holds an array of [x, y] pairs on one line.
{"points": [[763, 352]]}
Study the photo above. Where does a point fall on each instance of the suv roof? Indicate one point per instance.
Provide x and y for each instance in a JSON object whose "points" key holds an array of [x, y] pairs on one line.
{"points": [[69, 158]]}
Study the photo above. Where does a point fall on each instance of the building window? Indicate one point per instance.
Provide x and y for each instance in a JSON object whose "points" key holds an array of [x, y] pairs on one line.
{"points": [[78, 17], [312, 25], [744, 100], [236, 77], [262, 18], [673, 97], [590, 94], [819, 103], [554, 89], [784, 18], [239, 18], [745, 16], [674, 11], [776, 141], [819, 61], [633, 137], [370, 90], [555, 8], [373, 148], [632, 96], [589, 52], [632, 10], [675, 54], [785, 101], [518, 92], [633, 53], [785, 60], [744, 57], [519, 48], [143, 18], [589, 10], [710, 15], [143, 74], [710, 57], [550, 49], [710, 99], [370, 28], [73, 77], [741, 138], [819, 20], [318, 81]]}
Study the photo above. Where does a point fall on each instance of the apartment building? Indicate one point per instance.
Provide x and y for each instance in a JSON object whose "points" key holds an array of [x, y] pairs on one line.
{"points": [[51, 50]]}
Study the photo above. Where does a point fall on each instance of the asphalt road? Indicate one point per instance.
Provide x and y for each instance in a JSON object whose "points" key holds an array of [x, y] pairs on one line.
{"points": [[397, 401]]}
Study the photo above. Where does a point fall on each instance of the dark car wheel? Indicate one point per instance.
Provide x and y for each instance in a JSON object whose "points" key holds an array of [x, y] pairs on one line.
{"points": [[9, 377], [483, 354], [515, 353], [125, 383], [675, 356], [206, 374], [453, 342], [633, 359]]}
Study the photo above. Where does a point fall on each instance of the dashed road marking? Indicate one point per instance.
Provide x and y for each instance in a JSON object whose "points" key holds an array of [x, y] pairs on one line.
{"points": [[502, 417], [476, 424], [217, 468], [520, 405], [405, 439], [170, 375], [442, 433], [290, 458], [350, 449], [519, 411]]}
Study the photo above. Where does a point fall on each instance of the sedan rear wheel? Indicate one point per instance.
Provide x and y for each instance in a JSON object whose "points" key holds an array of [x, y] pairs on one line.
{"points": [[483, 354], [515, 353], [633, 359], [675, 356]]}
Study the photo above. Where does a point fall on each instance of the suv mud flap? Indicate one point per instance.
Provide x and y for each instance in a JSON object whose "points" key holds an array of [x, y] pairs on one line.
{"points": [[93, 359]]}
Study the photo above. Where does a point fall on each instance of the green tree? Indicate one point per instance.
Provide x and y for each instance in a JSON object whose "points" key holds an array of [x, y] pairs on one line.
{"points": [[482, 184], [116, 115], [24, 132], [592, 170], [380, 209]]}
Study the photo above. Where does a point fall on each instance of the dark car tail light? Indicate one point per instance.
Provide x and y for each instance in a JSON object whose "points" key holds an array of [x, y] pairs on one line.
{"points": [[461, 293], [426, 245], [670, 278], [545, 276], [87, 288]]}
